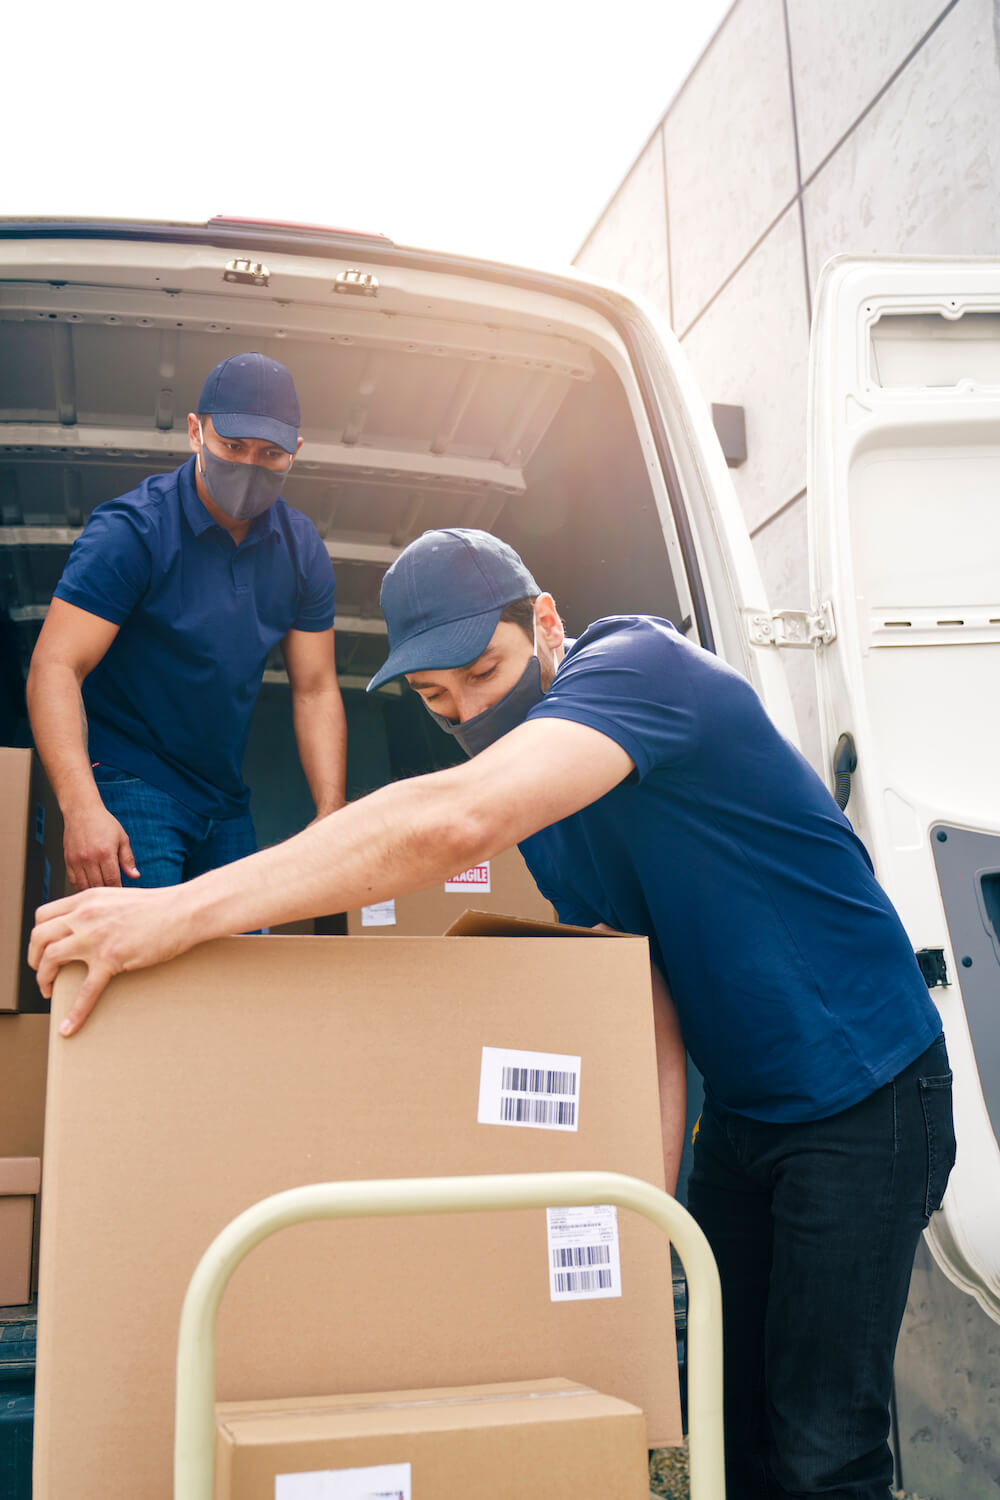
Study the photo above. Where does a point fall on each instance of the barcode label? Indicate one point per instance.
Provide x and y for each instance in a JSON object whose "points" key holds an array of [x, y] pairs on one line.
{"points": [[584, 1258], [537, 1112], [534, 1090], [475, 880], [375, 1482], [583, 1255], [381, 914], [538, 1081], [581, 1281]]}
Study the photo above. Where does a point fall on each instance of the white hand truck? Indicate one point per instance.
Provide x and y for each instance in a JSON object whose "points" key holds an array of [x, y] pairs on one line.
{"points": [[194, 1442]]}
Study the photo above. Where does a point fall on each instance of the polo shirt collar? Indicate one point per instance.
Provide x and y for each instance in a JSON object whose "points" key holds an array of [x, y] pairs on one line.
{"points": [[199, 519]]}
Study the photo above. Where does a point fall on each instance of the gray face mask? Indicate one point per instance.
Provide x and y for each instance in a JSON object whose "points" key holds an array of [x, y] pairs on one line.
{"points": [[243, 491], [506, 714]]}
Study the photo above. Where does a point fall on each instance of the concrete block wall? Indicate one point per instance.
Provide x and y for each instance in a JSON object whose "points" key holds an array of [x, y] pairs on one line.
{"points": [[804, 131], [807, 130]]}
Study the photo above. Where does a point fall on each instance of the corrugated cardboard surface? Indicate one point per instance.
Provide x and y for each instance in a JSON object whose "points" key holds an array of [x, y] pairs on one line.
{"points": [[533, 1440], [16, 1221], [430, 912], [32, 870], [20, 1175], [249, 1066], [24, 1050], [15, 780]]}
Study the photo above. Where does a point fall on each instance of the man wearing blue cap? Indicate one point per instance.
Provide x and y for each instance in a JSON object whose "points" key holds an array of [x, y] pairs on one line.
{"points": [[152, 653], [650, 793]]}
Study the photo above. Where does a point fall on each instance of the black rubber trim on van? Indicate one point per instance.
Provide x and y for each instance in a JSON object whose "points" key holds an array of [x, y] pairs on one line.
{"points": [[377, 250]]}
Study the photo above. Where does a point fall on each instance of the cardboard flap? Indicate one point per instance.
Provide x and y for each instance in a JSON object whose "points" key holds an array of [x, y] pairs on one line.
{"points": [[20, 1174], [474, 923]]}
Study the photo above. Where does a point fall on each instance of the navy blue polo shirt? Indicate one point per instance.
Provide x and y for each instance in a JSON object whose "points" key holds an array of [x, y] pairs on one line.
{"points": [[171, 699], [795, 983]]}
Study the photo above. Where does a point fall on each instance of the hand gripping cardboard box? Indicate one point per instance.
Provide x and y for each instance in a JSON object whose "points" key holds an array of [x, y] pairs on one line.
{"points": [[31, 835], [502, 884], [526, 1440], [253, 1065]]}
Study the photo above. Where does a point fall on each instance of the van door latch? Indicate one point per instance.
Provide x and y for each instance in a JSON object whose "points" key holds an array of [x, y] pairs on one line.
{"points": [[932, 966], [792, 627], [248, 272]]}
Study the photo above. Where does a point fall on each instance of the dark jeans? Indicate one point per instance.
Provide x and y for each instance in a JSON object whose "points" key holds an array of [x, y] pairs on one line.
{"points": [[170, 842], [814, 1227]]}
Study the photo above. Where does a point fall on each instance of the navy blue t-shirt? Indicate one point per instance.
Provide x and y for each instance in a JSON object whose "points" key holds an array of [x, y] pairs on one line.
{"points": [[795, 983], [171, 699]]}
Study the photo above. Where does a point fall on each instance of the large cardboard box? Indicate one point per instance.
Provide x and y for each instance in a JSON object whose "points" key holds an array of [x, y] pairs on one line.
{"points": [[526, 1440], [20, 1177], [253, 1065], [31, 838], [501, 884]]}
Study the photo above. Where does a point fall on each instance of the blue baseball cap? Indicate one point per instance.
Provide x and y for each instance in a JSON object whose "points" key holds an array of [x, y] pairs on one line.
{"points": [[252, 396], [443, 598]]}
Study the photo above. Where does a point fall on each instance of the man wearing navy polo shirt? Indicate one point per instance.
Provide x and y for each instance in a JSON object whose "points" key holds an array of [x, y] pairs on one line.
{"points": [[650, 793], [151, 657]]}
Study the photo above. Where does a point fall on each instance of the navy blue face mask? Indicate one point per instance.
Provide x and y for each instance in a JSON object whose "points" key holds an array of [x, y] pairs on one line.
{"points": [[506, 714], [243, 491]]}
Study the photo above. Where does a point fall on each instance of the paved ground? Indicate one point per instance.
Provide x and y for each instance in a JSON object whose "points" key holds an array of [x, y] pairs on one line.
{"points": [[668, 1476]]}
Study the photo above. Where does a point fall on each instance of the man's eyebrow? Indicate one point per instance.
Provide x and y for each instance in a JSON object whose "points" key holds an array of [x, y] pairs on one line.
{"points": [[491, 651]]}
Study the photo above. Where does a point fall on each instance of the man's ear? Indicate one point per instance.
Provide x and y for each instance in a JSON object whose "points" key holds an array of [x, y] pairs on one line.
{"points": [[193, 438], [547, 622]]}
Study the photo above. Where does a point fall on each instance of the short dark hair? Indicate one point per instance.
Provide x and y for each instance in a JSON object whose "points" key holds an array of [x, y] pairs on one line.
{"points": [[521, 612]]}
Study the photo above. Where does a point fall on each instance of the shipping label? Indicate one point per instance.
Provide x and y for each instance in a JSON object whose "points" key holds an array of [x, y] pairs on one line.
{"points": [[584, 1258], [534, 1090], [475, 881], [381, 914], [376, 1482]]}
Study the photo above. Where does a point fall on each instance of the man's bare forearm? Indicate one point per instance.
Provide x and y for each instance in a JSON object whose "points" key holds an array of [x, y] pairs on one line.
{"points": [[671, 1068], [396, 840], [321, 737], [59, 727]]}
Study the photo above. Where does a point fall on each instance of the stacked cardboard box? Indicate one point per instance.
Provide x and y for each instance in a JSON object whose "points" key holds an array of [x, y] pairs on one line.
{"points": [[247, 1067], [501, 884], [533, 1440], [31, 835], [20, 1178]]}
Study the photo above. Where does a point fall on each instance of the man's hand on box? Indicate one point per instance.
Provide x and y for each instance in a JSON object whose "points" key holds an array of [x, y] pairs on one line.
{"points": [[109, 931], [97, 849]]}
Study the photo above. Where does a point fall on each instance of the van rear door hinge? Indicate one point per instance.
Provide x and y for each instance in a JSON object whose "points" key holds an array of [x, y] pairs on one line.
{"points": [[249, 272], [792, 627]]}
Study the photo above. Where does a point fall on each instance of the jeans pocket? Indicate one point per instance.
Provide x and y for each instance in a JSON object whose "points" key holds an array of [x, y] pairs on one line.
{"points": [[935, 1100], [105, 775]]}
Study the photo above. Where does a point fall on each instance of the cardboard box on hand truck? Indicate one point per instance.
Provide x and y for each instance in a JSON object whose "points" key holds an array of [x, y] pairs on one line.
{"points": [[253, 1065], [525, 1440]]}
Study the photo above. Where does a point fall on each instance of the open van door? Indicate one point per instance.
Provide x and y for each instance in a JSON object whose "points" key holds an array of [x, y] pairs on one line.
{"points": [[904, 526]]}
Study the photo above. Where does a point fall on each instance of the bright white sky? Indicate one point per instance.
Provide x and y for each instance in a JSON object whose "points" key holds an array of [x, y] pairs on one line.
{"points": [[497, 129]]}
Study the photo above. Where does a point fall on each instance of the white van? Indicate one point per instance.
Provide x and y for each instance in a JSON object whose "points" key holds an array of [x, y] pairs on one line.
{"points": [[562, 415]]}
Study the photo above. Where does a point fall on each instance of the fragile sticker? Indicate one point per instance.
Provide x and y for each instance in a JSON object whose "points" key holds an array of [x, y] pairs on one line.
{"points": [[381, 914], [473, 881], [532, 1090], [584, 1257], [376, 1482]]}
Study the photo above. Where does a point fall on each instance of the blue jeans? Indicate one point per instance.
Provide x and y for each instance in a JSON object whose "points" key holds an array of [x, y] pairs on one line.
{"points": [[170, 842], [814, 1227]]}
